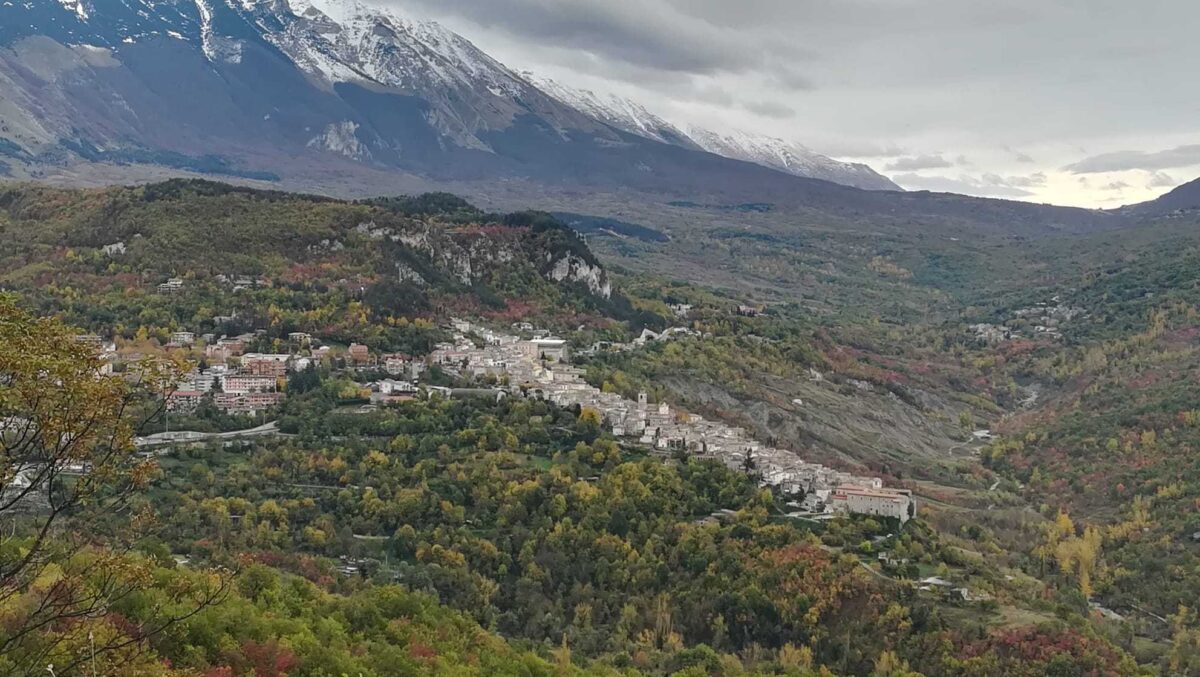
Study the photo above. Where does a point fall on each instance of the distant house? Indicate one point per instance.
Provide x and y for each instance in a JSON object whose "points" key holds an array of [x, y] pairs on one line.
{"points": [[391, 387], [396, 363], [90, 340], [263, 364], [681, 309], [751, 311], [264, 368], [182, 338], [390, 391], [217, 353], [232, 347], [171, 286], [26, 491]]}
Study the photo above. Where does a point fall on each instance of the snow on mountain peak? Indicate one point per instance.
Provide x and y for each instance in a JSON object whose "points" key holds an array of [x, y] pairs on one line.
{"points": [[785, 156], [616, 111], [790, 157], [347, 40]]}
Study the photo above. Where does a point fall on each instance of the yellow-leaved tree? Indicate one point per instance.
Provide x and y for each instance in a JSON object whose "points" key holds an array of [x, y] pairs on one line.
{"points": [[69, 468]]}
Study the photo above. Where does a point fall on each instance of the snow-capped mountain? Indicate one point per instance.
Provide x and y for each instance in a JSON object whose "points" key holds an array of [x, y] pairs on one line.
{"points": [[790, 157], [287, 88], [785, 156], [615, 111], [346, 41]]}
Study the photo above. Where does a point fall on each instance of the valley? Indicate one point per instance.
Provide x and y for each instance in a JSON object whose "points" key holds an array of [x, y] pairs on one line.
{"points": [[333, 344], [930, 390]]}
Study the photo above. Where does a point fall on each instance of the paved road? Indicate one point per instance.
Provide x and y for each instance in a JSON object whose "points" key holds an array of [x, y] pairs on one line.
{"points": [[159, 439]]}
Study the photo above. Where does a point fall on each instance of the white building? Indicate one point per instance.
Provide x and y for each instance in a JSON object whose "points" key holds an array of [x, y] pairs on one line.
{"points": [[549, 349], [171, 286], [897, 503]]}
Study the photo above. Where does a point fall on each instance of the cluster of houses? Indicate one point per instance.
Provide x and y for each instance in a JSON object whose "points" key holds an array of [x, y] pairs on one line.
{"points": [[247, 383], [537, 367], [1043, 319], [238, 382], [175, 284]]}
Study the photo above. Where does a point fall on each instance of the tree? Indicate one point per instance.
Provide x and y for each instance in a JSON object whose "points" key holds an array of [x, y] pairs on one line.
{"points": [[68, 464], [1184, 658], [749, 463]]}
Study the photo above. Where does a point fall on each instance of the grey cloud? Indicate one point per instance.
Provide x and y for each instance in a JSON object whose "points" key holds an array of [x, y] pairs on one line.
{"points": [[792, 79], [1035, 180], [1181, 156], [859, 148], [919, 162], [1161, 180], [648, 33], [1018, 155], [989, 185], [896, 74], [1114, 186], [770, 109]]}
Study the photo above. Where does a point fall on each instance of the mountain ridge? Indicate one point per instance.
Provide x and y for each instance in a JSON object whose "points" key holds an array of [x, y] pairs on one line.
{"points": [[271, 90], [1182, 198]]}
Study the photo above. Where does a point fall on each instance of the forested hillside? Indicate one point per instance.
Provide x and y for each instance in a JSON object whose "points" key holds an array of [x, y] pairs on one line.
{"points": [[1047, 429], [291, 262]]}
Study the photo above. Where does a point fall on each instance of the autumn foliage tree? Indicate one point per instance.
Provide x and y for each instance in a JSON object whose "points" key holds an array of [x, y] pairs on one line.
{"points": [[67, 462]]}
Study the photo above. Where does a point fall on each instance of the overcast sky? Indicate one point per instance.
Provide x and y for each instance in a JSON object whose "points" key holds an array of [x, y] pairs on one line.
{"points": [[1085, 102]]}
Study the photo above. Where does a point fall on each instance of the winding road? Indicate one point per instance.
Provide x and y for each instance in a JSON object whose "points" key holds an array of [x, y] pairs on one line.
{"points": [[161, 439]]}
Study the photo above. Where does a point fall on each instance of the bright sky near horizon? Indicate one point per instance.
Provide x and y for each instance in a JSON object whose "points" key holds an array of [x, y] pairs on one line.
{"points": [[1081, 102]]}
